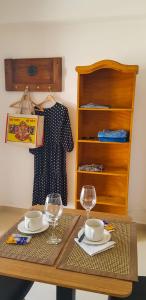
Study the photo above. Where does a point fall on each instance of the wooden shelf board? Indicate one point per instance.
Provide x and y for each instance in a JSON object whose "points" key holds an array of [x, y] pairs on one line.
{"points": [[112, 172], [106, 109], [110, 201], [99, 142]]}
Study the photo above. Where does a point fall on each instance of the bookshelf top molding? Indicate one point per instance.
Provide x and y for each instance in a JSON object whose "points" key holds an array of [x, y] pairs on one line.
{"points": [[107, 64]]}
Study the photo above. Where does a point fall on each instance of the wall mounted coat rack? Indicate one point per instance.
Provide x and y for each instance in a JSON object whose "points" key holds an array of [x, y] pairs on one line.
{"points": [[38, 74]]}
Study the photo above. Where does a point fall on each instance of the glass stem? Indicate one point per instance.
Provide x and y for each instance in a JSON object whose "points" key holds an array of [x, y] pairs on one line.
{"points": [[87, 213], [53, 235]]}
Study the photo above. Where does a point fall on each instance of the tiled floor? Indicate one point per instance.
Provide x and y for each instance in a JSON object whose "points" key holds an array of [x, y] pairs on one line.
{"points": [[8, 216]]}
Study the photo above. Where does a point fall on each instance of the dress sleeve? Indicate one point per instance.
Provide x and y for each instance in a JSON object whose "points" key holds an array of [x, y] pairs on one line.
{"points": [[67, 139], [37, 150]]}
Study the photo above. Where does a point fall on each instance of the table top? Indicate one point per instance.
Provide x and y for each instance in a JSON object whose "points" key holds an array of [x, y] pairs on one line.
{"points": [[75, 280]]}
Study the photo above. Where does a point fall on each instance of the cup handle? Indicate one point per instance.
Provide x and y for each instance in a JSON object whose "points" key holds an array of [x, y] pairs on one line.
{"points": [[28, 223], [92, 232]]}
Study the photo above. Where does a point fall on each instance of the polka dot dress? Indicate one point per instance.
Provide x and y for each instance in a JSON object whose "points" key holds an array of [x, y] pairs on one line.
{"points": [[50, 159]]}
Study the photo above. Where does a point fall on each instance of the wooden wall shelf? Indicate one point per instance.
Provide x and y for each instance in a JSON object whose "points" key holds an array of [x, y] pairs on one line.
{"points": [[111, 84], [38, 74]]}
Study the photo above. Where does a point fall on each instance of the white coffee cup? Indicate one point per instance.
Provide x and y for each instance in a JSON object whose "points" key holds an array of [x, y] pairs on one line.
{"points": [[33, 220], [94, 229]]}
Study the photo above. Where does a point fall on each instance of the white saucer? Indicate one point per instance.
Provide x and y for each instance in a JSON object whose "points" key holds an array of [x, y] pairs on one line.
{"points": [[106, 238], [22, 228]]}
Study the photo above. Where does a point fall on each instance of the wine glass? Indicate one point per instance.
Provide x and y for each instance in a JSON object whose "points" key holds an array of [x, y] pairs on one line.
{"points": [[88, 198], [53, 211]]}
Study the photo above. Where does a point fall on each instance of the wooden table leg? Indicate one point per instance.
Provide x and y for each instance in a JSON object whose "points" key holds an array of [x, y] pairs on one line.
{"points": [[63, 293]]}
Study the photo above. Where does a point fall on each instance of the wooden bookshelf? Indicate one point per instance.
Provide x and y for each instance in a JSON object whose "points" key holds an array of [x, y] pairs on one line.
{"points": [[112, 84]]}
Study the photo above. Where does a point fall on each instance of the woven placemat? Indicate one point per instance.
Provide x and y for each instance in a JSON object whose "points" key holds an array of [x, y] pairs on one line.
{"points": [[38, 250], [119, 262]]}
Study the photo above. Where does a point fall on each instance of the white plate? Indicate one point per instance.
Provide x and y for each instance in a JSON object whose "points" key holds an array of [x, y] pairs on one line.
{"points": [[22, 228], [106, 238]]}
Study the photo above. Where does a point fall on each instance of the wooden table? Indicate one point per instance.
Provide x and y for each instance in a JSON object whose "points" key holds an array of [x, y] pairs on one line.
{"points": [[66, 281]]}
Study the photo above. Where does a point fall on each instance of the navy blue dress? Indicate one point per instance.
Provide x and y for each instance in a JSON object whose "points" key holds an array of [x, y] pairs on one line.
{"points": [[50, 159]]}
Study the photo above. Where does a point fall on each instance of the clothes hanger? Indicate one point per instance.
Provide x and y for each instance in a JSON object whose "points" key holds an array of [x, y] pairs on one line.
{"points": [[50, 98], [25, 104]]}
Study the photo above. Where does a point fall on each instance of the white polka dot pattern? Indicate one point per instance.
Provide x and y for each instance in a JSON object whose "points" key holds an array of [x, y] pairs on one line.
{"points": [[50, 160]]}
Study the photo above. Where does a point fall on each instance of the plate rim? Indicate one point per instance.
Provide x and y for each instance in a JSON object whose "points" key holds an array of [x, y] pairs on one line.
{"points": [[26, 231]]}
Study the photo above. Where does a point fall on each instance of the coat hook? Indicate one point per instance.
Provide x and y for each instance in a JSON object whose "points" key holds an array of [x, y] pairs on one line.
{"points": [[26, 89]]}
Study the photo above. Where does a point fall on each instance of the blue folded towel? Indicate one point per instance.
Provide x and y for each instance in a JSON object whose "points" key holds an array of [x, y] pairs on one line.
{"points": [[120, 135]]}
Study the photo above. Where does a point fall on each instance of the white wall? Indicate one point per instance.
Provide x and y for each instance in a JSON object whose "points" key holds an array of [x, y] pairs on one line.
{"points": [[79, 44], [17, 11]]}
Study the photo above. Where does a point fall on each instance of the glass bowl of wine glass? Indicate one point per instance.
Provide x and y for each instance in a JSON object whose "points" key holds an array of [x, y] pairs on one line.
{"points": [[88, 198]]}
